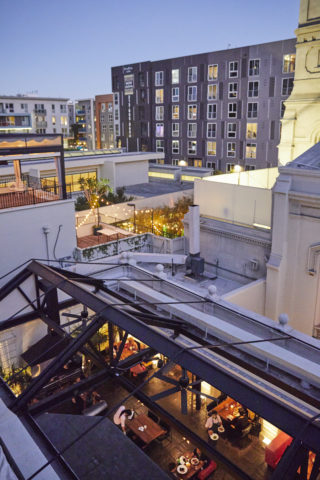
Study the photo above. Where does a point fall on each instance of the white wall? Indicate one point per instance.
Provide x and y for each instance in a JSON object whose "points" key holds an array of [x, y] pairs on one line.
{"points": [[22, 236], [251, 296], [234, 203], [125, 173]]}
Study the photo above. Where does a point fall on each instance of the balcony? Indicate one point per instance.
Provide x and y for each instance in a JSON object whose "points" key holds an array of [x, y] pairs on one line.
{"points": [[80, 112], [41, 124], [40, 111]]}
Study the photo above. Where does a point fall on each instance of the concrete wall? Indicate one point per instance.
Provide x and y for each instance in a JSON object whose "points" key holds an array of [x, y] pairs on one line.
{"points": [[233, 203], [125, 173], [22, 236], [251, 297], [263, 178]]}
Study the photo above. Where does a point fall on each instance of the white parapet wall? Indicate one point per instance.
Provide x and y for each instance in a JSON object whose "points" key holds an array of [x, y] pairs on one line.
{"points": [[251, 297], [23, 235]]}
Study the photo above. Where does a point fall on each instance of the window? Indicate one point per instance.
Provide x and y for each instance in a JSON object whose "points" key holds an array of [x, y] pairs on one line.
{"points": [[211, 148], [254, 67], [252, 110], [9, 106], [192, 112], [175, 112], [175, 146], [232, 130], [110, 117], [211, 165], [175, 94], [282, 109], [116, 114], [253, 89], [212, 72], [252, 130], [289, 63], [192, 74], [232, 110], [141, 79], [175, 74], [158, 79], [175, 129], [24, 106], [233, 90], [249, 167], [116, 98], [233, 69], [53, 118], [251, 150], [63, 108], [192, 130], [230, 167], [212, 92], [159, 113], [63, 120], [175, 161], [159, 95], [211, 130], [192, 147], [159, 145], [53, 107], [159, 130], [117, 130], [287, 86], [231, 149], [211, 111], [192, 94]]}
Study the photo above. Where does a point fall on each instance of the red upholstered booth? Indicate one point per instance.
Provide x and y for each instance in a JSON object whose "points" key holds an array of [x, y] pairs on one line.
{"points": [[207, 471], [275, 450]]}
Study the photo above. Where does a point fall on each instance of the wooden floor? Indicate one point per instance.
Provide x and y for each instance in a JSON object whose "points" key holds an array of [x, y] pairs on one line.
{"points": [[94, 240]]}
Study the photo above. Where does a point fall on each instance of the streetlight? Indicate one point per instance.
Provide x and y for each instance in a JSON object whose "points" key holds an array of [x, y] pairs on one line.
{"points": [[238, 169], [134, 214]]}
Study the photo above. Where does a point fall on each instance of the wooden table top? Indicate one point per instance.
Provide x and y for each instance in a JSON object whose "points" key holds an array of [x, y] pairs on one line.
{"points": [[192, 469], [225, 409], [149, 434]]}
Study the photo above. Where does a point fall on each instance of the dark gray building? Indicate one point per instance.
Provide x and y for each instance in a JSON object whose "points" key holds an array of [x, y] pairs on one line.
{"points": [[213, 110]]}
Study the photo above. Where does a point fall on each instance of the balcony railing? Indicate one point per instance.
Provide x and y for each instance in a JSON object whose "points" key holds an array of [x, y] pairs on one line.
{"points": [[41, 124], [40, 111]]}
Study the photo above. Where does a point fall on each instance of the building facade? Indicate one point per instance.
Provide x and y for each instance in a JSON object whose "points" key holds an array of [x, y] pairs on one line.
{"points": [[215, 110], [22, 114], [104, 121], [85, 129]]}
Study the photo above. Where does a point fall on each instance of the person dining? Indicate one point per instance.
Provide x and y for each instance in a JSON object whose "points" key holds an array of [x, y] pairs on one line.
{"points": [[213, 420], [121, 415], [200, 456]]}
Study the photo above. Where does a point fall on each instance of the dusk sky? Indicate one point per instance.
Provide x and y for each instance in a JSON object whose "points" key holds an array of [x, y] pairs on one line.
{"points": [[66, 48]]}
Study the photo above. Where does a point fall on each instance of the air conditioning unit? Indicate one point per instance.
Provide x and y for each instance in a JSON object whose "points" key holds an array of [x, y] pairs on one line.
{"points": [[254, 264]]}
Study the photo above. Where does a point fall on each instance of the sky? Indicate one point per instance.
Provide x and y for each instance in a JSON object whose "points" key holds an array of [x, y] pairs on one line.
{"points": [[66, 48]]}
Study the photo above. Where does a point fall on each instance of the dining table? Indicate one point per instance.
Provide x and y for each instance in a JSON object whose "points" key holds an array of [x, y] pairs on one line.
{"points": [[145, 428], [192, 469]]}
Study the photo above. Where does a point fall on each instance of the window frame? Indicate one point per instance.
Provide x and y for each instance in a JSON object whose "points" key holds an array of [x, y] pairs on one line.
{"points": [[159, 108], [214, 78], [173, 132], [161, 97], [175, 98], [215, 149], [230, 131], [176, 150], [188, 149], [231, 71], [214, 130], [254, 90], [191, 97], [189, 107], [257, 110], [214, 87], [159, 125], [252, 69], [175, 108], [234, 113], [159, 78], [192, 130], [231, 153], [161, 148], [215, 111], [193, 78], [231, 92], [175, 70]]}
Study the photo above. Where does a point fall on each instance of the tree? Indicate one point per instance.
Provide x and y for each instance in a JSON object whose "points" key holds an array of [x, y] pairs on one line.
{"points": [[93, 189]]}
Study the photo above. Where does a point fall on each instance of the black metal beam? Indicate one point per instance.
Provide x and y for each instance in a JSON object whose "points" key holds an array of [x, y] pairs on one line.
{"points": [[286, 417], [121, 347], [14, 283]]}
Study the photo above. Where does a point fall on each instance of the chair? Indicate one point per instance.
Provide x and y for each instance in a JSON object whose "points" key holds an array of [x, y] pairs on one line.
{"points": [[153, 416], [167, 435], [212, 405], [206, 472]]}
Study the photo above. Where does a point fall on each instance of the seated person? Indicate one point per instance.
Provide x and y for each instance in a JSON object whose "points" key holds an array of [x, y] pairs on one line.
{"points": [[241, 422], [201, 456], [213, 420], [172, 467]]}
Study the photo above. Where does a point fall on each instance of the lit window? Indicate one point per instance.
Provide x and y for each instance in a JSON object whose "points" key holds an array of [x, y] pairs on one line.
{"points": [[251, 150], [289, 63], [175, 75], [158, 79], [253, 89], [159, 113], [159, 95], [252, 110], [212, 92], [232, 130], [232, 110], [175, 112], [252, 130], [230, 167], [53, 118], [211, 111], [192, 130], [233, 90], [233, 69], [254, 67], [249, 167], [192, 74], [175, 94], [211, 148], [192, 112], [212, 72], [159, 145], [175, 129], [64, 120], [192, 147], [175, 146], [192, 94], [231, 149], [211, 130], [287, 86], [175, 161], [159, 130]]}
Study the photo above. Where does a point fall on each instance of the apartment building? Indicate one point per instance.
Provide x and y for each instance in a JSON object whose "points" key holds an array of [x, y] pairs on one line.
{"points": [[104, 121], [43, 115], [85, 121], [213, 110]]}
